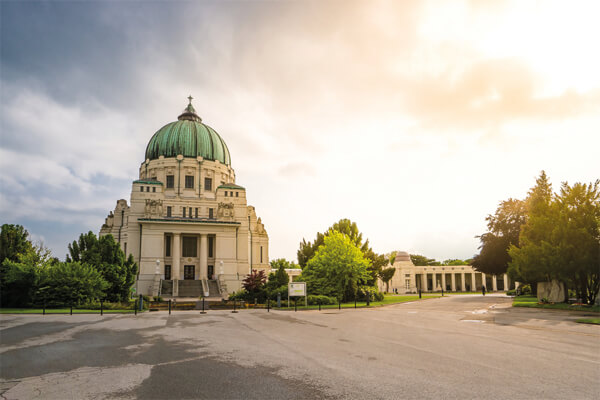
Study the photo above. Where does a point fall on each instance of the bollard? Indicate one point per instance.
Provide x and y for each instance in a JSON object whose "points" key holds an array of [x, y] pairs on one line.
{"points": [[135, 307], [234, 302], [101, 307], [203, 312], [442, 292], [419, 293], [295, 304], [355, 302], [319, 305], [169, 306], [339, 304], [368, 299], [71, 309], [44, 310], [268, 305]]}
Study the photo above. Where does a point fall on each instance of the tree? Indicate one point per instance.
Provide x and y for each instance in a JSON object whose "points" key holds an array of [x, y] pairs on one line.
{"points": [[70, 283], [106, 256], [337, 269], [420, 260], [345, 226], [454, 261], [532, 261], [576, 236], [279, 262], [14, 240], [386, 275], [21, 277], [254, 281], [503, 231], [14, 243]]}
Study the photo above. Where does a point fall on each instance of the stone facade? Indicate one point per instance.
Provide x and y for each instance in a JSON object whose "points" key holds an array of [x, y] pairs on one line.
{"points": [[409, 278], [188, 220]]}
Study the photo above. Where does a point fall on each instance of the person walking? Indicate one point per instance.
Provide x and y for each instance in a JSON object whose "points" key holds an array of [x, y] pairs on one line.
{"points": [[483, 290]]}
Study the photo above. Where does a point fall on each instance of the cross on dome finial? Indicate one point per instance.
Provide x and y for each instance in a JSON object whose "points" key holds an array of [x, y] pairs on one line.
{"points": [[190, 113]]}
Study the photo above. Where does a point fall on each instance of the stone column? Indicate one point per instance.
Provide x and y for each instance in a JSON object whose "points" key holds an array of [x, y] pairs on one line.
{"points": [[463, 284], [203, 256], [483, 284], [443, 280], [176, 251], [505, 282], [494, 283], [424, 281], [433, 282], [473, 282], [453, 282]]}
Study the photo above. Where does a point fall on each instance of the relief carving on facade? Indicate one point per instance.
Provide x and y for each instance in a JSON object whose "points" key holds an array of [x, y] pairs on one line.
{"points": [[153, 208], [260, 227], [225, 211]]}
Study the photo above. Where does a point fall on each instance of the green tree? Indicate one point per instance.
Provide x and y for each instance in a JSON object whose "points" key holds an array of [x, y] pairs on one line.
{"points": [[337, 269], [454, 261], [70, 283], [14, 242], [535, 259], [420, 260], [106, 256], [386, 275], [576, 237], [22, 277], [345, 226], [504, 228], [279, 262]]}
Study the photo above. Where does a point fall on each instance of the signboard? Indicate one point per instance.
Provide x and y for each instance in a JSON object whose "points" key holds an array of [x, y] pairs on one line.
{"points": [[297, 289]]}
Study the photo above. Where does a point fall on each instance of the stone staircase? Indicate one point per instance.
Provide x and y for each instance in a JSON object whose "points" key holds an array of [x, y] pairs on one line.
{"points": [[190, 288], [213, 289], [166, 289]]}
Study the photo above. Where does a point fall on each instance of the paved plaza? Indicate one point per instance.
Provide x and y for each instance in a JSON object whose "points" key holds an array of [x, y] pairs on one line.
{"points": [[460, 347]]}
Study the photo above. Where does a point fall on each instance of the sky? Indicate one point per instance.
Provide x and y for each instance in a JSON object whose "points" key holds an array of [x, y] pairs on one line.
{"points": [[412, 119]]}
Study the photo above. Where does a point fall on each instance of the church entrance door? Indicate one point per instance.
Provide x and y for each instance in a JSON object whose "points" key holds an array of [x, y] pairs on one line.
{"points": [[211, 271], [188, 272]]}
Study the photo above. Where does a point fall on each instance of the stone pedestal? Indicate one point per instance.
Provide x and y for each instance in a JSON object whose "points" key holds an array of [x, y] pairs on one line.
{"points": [[554, 292]]}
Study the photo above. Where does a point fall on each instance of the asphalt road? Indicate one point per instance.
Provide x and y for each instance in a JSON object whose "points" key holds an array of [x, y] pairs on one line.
{"points": [[460, 347]]}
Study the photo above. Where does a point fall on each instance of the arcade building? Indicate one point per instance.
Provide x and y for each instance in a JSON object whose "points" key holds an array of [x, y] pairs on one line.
{"points": [[188, 224]]}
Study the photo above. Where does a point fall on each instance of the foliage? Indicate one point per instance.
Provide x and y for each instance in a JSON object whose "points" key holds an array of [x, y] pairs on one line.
{"points": [[307, 249], [282, 262], [254, 281], [69, 283], [420, 260], [337, 269], [105, 255], [21, 278], [454, 261], [386, 275], [532, 302], [14, 243], [320, 299], [561, 238], [504, 228]]}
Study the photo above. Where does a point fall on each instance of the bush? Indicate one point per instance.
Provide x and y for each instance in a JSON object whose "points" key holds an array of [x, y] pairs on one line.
{"points": [[158, 298], [511, 292], [320, 299], [374, 294], [95, 305], [525, 289]]}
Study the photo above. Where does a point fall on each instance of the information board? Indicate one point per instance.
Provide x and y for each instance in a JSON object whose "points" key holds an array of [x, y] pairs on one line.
{"points": [[296, 289]]}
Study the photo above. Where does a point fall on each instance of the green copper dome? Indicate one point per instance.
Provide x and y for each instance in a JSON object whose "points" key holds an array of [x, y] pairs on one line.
{"points": [[190, 137]]}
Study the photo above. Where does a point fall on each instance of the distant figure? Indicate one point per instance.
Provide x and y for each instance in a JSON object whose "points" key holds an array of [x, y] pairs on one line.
{"points": [[483, 290]]}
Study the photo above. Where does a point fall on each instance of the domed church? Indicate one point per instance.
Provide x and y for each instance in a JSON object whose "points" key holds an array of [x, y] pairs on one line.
{"points": [[188, 224]]}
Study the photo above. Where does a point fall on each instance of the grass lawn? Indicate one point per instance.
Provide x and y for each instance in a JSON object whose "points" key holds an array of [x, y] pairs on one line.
{"points": [[60, 311], [595, 321], [388, 299], [532, 301]]}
